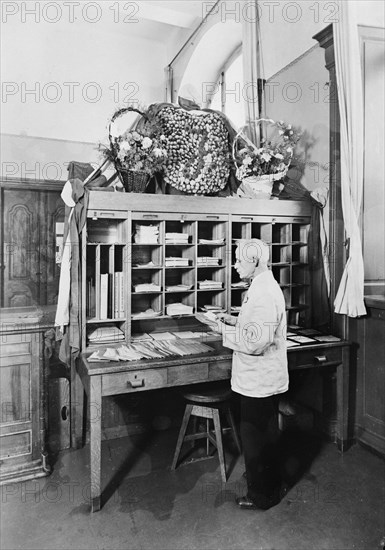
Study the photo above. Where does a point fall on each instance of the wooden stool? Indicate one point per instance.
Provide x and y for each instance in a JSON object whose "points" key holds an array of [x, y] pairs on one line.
{"points": [[207, 405]]}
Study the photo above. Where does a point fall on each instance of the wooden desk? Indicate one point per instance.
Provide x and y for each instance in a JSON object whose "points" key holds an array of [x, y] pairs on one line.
{"points": [[102, 379]]}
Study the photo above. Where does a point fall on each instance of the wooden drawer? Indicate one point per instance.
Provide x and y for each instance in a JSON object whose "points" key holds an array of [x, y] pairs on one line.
{"points": [[188, 374], [21, 338], [220, 370], [314, 358], [113, 384], [10, 349]]}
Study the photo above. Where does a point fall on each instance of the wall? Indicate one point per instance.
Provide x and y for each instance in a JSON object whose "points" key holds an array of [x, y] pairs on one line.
{"points": [[63, 80], [299, 94], [45, 56]]}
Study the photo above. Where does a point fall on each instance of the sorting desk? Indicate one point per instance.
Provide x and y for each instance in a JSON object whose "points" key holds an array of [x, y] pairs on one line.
{"points": [[102, 379]]}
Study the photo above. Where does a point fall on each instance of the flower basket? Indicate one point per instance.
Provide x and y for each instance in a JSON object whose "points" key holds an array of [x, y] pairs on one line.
{"points": [[258, 167], [133, 182], [136, 153]]}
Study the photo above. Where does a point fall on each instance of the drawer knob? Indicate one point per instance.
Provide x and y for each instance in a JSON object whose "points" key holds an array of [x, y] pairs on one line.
{"points": [[320, 359], [136, 383]]}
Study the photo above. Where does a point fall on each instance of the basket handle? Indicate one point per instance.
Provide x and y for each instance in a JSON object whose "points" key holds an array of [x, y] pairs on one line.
{"points": [[121, 112], [250, 143], [244, 136]]}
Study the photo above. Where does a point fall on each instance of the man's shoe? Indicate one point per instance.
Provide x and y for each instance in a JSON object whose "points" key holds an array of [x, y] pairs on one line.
{"points": [[245, 503]]}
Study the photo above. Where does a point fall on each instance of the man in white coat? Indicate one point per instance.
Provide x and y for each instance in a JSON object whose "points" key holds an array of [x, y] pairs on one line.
{"points": [[259, 372]]}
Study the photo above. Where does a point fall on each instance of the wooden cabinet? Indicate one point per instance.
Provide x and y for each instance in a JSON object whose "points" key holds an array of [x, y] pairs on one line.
{"points": [[146, 258], [30, 212], [368, 334], [22, 405]]}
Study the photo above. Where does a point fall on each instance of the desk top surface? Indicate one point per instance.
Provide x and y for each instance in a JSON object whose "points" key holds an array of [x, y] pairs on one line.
{"points": [[219, 353]]}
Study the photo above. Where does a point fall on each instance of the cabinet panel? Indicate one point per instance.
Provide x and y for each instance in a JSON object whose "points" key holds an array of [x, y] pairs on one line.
{"points": [[368, 334], [15, 382], [22, 412], [30, 273], [183, 374], [15, 444], [172, 263]]}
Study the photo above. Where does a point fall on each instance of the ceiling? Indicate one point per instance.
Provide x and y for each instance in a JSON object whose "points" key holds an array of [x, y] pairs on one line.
{"points": [[178, 13]]}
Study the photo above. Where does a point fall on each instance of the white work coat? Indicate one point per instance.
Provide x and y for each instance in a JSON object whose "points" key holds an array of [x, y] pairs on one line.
{"points": [[259, 367]]}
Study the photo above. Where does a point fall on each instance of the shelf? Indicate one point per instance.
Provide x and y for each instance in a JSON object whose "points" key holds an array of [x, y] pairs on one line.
{"points": [[145, 244], [99, 321], [110, 250]]}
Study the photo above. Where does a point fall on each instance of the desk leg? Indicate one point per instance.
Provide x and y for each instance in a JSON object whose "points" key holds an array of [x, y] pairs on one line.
{"points": [[343, 436], [77, 404], [95, 408]]}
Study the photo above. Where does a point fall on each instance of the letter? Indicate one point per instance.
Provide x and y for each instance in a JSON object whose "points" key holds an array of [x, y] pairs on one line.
{"points": [[58, 9], [209, 489], [34, 490], [254, 92], [58, 172], [8, 88], [285, 95], [251, 12], [269, 87], [57, 494], [236, 12], [8, 8], [209, 89], [271, 12], [98, 12], [9, 489], [10, 168], [207, 7], [71, 6], [285, 9], [32, 173], [25, 92], [98, 92], [35, 11], [56, 87], [71, 86], [235, 93]]}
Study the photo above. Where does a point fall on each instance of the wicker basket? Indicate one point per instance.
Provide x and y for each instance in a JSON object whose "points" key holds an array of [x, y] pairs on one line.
{"points": [[133, 182], [266, 177]]}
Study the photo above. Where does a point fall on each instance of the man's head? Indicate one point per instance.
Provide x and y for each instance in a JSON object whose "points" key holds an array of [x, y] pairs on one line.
{"points": [[250, 254]]}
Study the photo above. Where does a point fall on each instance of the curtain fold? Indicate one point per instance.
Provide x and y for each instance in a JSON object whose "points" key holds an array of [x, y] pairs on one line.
{"points": [[252, 68], [350, 296]]}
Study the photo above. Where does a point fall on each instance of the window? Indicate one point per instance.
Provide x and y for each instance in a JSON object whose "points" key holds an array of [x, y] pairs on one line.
{"points": [[227, 95]]}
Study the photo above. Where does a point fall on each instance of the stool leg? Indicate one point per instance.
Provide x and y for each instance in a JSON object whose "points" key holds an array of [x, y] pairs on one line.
{"points": [[182, 433], [218, 435], [207, 438], [230, 419]]}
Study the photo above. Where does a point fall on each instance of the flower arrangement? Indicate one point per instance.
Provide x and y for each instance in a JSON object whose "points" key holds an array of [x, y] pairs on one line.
{"points": [[272, 157], [198, 154], [140, 150]]}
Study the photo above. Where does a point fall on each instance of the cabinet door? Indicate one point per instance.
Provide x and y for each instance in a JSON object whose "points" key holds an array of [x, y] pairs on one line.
{"points": [[20, 402], [31, 275], [51, 213], [21, 249]]}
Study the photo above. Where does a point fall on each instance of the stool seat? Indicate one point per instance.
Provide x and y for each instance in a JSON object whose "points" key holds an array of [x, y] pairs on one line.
{"points": [[207, 405], [212, 396]]}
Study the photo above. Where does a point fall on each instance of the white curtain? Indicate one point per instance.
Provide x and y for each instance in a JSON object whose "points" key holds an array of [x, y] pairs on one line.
{"points": [[350, 296], [252, 67]]}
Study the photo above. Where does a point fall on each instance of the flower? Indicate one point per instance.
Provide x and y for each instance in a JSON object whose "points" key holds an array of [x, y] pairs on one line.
{"points": [[272, 157], [140, 149], [146, 143], [198, 160]]}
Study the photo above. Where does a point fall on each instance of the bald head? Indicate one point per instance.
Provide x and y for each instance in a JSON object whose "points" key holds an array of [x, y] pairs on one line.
{"points": [[253, 251]]}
